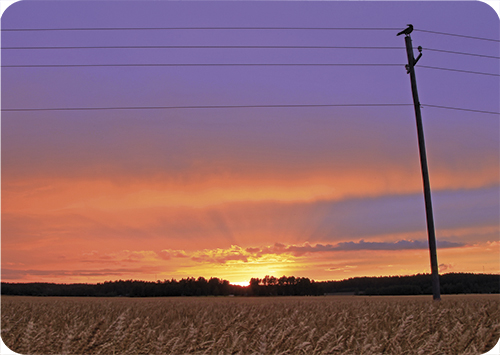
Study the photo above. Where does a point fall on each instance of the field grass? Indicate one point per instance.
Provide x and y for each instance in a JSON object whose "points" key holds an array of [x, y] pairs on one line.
{"points": [[468, 324]]}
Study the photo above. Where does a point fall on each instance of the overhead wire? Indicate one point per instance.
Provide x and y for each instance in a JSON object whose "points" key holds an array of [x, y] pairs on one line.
{"points": [[237, 47], [460, 109], [195, 28], [196, 65], [203, 47], [461, 53], [237, 106], [458, 70], [199, 107], [241, 28], [457, 35], [238, 65]]}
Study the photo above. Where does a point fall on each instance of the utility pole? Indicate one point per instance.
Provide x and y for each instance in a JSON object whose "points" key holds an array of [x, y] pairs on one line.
{"points": [[436, 294]]}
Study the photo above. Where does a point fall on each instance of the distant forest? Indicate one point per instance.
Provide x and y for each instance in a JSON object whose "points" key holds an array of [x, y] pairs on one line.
{"points": [[453, 283]]}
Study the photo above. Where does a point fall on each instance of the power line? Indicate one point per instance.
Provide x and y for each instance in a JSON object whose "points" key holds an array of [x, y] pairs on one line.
{"points": [[203, 47], [462, 53], [237, 65], [195, 107], [237, 28], [458, 70], [236, 47], [234, 106], [461, 109], [196, 28], [458, 35], [194, 65]]}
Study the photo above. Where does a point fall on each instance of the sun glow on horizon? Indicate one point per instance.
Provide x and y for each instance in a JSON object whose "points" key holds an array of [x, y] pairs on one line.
{"points": [[241, 283]]}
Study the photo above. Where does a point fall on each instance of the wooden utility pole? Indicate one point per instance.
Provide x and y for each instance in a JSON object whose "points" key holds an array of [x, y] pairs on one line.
{"points": [[436, 293]]}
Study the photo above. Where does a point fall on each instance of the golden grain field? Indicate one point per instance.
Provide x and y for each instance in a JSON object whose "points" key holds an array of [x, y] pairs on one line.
{"points": [[468, 324]]}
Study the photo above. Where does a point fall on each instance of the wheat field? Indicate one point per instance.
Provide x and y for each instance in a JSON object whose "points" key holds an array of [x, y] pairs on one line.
{"points": [[468, 324]]}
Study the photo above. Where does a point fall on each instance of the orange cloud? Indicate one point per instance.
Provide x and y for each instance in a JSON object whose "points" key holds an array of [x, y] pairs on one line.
{"points": [[118, 191], [167, 254]]}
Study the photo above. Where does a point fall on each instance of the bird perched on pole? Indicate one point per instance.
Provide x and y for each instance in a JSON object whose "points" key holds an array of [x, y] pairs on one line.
{"points": [[406, 31]]}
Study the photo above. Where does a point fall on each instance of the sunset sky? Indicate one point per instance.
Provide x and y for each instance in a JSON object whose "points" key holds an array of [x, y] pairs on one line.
{"points": [[327, 192]]}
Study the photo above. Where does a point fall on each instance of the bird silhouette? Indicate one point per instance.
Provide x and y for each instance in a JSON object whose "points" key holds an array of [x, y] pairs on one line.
{"points": [[407, 30]]}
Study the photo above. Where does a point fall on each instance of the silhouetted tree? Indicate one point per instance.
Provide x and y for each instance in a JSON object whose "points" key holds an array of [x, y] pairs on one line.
{"points": [[254, 286]]}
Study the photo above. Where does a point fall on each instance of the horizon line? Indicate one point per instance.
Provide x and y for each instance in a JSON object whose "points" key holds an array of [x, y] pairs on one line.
{"points": [[233, 284]]}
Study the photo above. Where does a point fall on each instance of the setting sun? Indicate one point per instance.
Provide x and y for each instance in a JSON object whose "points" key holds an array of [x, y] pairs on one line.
{"points": [[242, 283]]}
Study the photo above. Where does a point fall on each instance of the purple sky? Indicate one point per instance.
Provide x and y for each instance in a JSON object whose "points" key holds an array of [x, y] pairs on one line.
{"points": [[86, 192]]}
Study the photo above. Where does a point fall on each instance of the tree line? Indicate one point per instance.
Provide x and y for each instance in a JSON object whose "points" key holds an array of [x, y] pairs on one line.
{"points": [[420, 284]]}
